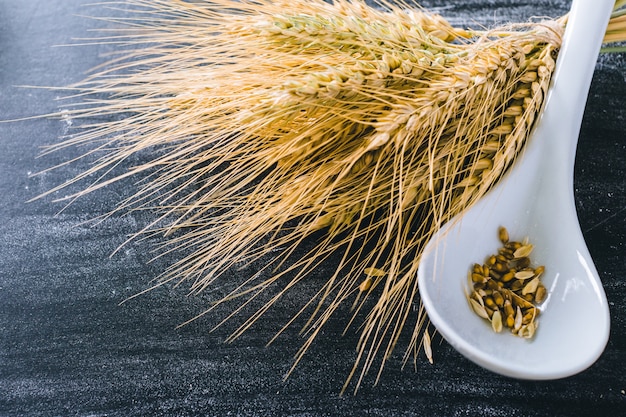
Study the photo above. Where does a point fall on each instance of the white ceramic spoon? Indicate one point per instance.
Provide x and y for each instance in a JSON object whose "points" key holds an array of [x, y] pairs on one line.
{"points": [[534, 200]]}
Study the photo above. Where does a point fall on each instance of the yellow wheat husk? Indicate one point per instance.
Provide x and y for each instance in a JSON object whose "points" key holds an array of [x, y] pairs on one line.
{"points": [[358, 129]]}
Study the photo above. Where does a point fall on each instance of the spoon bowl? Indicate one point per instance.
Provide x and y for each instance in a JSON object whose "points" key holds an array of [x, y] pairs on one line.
{"points": [[535, 200]]}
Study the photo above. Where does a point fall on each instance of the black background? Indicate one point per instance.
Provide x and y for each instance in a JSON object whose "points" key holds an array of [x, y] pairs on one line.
{"points": [[67, 347]]}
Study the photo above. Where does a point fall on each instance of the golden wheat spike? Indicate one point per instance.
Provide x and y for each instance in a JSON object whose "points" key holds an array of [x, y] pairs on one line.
{"points": [[268, 122]]}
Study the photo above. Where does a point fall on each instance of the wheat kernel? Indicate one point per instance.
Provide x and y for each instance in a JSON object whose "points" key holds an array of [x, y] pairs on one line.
{"points": [[539, 270], [531, 287], [496, 321], [528, 318], [508, 308], [366, 284], [500, 266], [525, 274], [523, 263], [498, 299], [540, 295], [509, 276], [478, 309], [374, 272], [517, 285], [510, 321], [518, 319], [523, 251], [477, 277], [485, 271], [513, 245], [528, 77]]}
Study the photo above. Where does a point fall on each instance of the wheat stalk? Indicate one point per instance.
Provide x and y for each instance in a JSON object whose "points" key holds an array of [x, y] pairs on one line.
{"points": [[276, 121]]}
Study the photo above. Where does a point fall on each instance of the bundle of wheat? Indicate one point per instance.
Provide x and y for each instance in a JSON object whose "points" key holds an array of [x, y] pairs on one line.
{"points": [[368, 127]]}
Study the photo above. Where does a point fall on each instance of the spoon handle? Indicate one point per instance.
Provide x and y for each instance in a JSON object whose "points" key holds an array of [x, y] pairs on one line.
{"points": [[567, 97]]}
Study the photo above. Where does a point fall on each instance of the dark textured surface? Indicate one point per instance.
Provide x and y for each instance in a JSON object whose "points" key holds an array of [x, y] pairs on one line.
{"points": [[68, 348]]}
